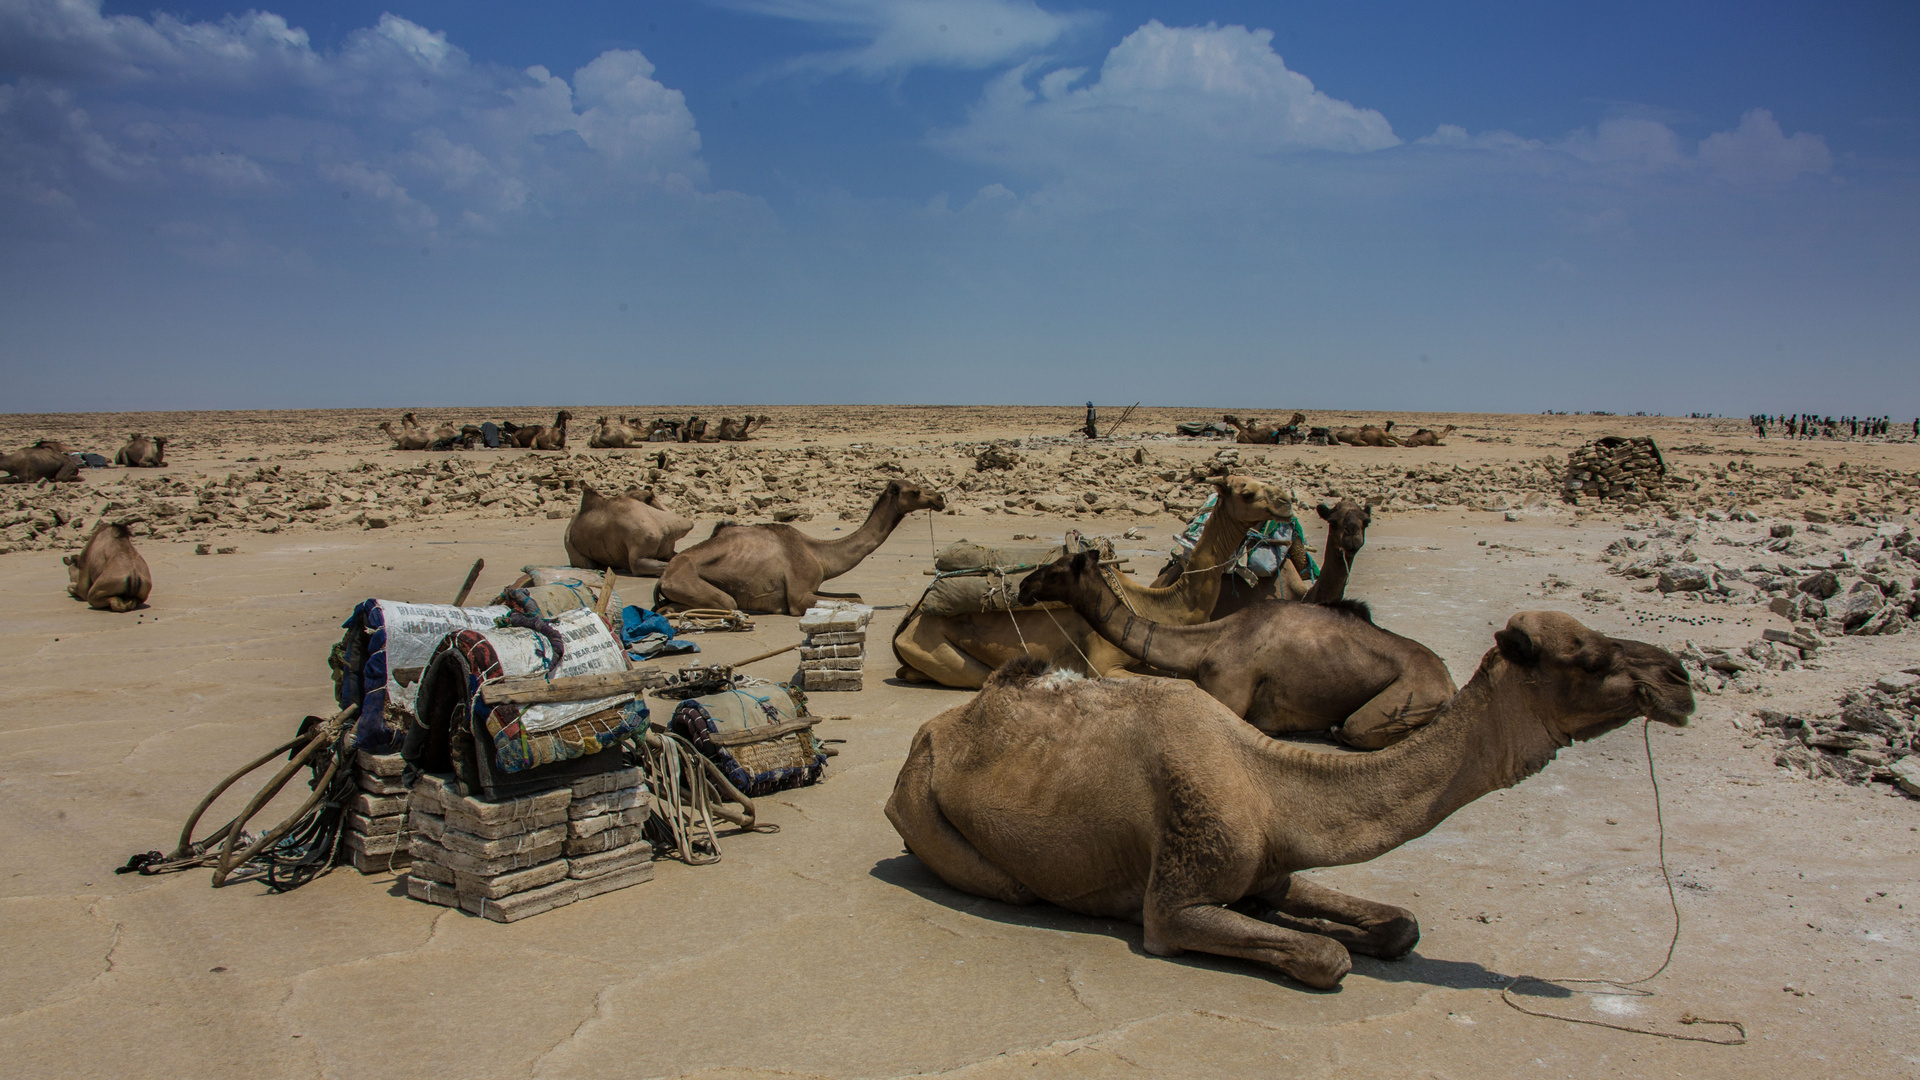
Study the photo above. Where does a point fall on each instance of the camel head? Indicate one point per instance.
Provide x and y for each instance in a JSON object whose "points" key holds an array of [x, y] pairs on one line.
{"points": [[1058, 579], [560, 418], [386, 426], [911, 497], [1298, 419], [1347, 523], [1584, 683], [1233, 421], [1246, 499]]}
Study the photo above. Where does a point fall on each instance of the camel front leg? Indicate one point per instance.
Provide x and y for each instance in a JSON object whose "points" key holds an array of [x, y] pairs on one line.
{"points": [[1314, 959], [683, 585], [915, 813], [1363, 926]]}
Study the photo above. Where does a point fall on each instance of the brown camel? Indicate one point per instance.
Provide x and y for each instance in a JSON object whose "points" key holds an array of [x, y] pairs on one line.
{"points": [[1255, 432], [632, 533], [55, 445], [663, 430], [1367, 435], [142, 452], [962, 650], [108, 573], [1280, 665], [1347, 523], [543, 437], [695, 430], [1146, 800], [778, 568], [742, 431], [407, 438], [610, 435], [1428, 437], [35, 463]]}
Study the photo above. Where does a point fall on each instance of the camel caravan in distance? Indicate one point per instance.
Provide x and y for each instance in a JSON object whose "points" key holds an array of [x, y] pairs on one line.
{"points": [[608, 433]]}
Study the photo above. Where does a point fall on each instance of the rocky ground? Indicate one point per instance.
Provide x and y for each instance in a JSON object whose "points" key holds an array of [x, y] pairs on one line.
{"points": [[1782, 572]]}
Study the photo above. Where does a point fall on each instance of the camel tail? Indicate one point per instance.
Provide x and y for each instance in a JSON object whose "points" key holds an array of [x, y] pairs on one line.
{"points": [[1018, 673]]}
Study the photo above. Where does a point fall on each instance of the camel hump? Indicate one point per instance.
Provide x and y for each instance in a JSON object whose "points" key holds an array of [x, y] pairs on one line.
{"points": [[1356, 608], [1017, 672]]}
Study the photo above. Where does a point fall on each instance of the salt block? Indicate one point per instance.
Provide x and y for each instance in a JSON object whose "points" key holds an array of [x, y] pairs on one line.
{"points": [[427, 851], [606, 802], [379, 864], [433, 892], [831, 680], [599, 823], [838, 663], [440, 790], [496, 830], [375, 826], [853, 637], [372, 805], [421, 823], [431, 871], [380, 764], [379, 785], [371, 845], [611, 780], [482, 848], [605, 840], [822, 652], [523, 905], [606, 862], [619, 879], [513, 881]]}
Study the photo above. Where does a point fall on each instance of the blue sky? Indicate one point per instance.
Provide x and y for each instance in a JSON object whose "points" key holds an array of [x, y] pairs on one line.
{"points": [[1496, 206]]}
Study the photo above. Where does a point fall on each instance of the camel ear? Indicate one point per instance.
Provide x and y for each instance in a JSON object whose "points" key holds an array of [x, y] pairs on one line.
{"points": [[1325, 512], [1518, 646], [1079, 563]]}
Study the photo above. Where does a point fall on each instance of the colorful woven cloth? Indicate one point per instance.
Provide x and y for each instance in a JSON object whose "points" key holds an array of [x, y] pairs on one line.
{"points": [[1260, 553]]}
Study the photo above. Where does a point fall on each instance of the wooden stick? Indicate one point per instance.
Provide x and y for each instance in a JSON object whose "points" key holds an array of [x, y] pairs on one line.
{"points": [[537, 689], [473, 575], [767, 655], [606, 594]]}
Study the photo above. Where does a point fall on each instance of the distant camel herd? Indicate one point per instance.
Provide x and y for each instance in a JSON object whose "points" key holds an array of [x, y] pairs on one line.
{"points": [[608, 433], [1254, 432]]}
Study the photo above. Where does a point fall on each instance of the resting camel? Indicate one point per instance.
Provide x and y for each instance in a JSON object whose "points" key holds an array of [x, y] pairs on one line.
{"points": [[1367, 435], [695, 430], [740, 432], [55, 445], [962, 650], [108, 573], [407, 421], [1147, 800], [35, 463], [631, 533], [1281, 666], [1244, 432], [664, 430], [610, 435], [142, 452], [1347, 523], [778, 568], [407, 438], [543, 437], [1427, 437]]}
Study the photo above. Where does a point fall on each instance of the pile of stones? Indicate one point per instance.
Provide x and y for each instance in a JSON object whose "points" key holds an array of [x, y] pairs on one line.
{"points": [[376, 816], [1871, 738], [833, 655], [512, 859], [1629, 470]]}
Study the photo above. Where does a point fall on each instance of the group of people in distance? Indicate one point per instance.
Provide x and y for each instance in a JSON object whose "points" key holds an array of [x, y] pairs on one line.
{"points": [[1807, 426]]}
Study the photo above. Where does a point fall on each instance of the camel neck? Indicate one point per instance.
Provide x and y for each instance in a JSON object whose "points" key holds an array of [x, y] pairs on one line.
{"points": [[839, 556], [1335, 566], [1191, 599], [1168, 647], [1348, 808]]}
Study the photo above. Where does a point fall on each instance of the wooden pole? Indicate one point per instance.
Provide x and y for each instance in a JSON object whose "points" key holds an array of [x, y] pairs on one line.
{"points": [[606, 594], [473, 575]]}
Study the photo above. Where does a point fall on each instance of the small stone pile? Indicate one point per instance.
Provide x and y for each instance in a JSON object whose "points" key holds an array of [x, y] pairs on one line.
{"points": [[1870, 739], [834, 654], [376, 816], [1626, 469], [509, 860]]}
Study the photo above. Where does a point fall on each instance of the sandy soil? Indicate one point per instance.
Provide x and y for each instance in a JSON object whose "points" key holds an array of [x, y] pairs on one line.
{"points": [[825, 950]]}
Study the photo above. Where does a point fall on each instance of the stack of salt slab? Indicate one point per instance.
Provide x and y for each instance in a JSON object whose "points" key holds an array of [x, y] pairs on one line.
{"points": [[834, 654], [375, 816], [511, 859]]}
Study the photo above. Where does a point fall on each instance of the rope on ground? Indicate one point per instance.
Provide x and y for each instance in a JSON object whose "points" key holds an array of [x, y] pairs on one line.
{"points": [[1637, 987]]}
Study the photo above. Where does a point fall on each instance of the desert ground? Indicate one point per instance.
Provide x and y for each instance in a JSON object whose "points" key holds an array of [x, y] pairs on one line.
{"points": [[826, 950]]}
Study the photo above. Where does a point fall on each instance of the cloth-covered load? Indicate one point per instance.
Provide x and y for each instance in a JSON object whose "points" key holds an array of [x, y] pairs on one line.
{"points": [[1259, 554], [756, 733], [507, 748], [379, 661], [970, 578], [554, 590]]}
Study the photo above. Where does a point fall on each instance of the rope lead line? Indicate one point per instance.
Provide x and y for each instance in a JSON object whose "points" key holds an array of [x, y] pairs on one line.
{"points": [[1636, 987]]}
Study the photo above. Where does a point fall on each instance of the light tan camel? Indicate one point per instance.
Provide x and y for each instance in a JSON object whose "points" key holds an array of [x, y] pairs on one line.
{"points": [[610, 435], [778, 568], [1428, 437], [1367, 435], [407, 438], [1255, 432], [742, 431], [695, 430], [529, 438], [108, 573], [1347, 523], [962, 650], [141, 452], [1147, 800], [32, 464], [632, 533], [1280, 665]]}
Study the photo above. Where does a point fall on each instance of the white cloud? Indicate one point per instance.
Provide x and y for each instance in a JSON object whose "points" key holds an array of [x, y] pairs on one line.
{"points": [[1180, 98], [119, 107], [899, 34], [1758, 152]]}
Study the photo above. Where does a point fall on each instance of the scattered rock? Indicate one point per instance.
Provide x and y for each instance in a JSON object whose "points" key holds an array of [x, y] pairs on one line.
{"points": [[1684, 577]]}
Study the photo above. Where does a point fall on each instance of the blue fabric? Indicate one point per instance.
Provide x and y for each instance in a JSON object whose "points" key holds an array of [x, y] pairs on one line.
{"points": [[368, 685], [648, 634]]}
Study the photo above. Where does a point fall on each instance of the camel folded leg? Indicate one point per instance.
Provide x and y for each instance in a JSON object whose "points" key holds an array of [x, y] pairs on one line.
{"points": [[931, 655], [684, 586], [1363, 926], [646, 567], [1312, 958], [916, 816], [1388, 718]]}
